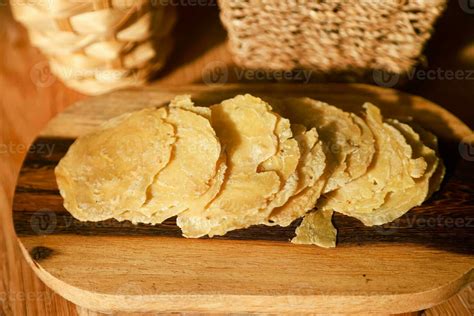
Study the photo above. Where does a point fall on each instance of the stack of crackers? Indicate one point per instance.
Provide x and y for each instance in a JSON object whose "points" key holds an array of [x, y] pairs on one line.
{"points": [[244, 162]]}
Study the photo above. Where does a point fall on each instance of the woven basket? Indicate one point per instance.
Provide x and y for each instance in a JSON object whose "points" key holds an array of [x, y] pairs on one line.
{"points": [[96, 46], [329, 36]]}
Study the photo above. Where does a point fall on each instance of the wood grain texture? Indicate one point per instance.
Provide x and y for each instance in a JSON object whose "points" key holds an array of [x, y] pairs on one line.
{"points": [[416, 262], [25, 107]]}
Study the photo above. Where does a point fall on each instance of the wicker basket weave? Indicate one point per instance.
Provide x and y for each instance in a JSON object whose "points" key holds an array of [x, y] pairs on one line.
{"points": [[96, 46], [329, 36]]}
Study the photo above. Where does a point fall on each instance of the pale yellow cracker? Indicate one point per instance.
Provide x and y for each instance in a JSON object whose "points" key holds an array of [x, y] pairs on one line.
{"points": [[422, 164], [430, 140], [316, 229], [360, 159], [285, 163], [196, 204], [387, 173], [310, 166], [348, 148], [193, 166], [107, 172], [246, 128], [184, 102], [311, 181]]}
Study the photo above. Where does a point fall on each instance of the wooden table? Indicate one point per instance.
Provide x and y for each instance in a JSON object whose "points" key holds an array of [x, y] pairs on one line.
{"points": [[30, 96]]}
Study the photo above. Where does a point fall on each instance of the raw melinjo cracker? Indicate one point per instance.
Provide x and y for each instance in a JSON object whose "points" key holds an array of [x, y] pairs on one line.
{"points": [[241, 163]]}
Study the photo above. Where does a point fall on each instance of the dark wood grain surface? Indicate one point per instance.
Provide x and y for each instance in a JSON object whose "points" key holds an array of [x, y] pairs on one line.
{"points": [[445, 221]]}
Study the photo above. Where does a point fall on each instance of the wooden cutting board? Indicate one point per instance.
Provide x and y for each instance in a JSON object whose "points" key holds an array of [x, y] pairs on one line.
{"points": [[414, 263]]}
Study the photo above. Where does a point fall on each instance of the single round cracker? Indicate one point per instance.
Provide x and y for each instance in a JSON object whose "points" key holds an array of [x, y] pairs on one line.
{"points": [[311, 181], [387, 173], [192, 168], [236, 206], [198, 204], [184, 102], [361, 158], [312, 162], [246, 128], [430, 140], [348, 148], [284, 163], [107, 172], [415, 167], [401, 201]]}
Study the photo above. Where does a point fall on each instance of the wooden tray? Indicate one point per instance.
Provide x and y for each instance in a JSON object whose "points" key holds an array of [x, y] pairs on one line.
{"points": [[414, 263]]}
